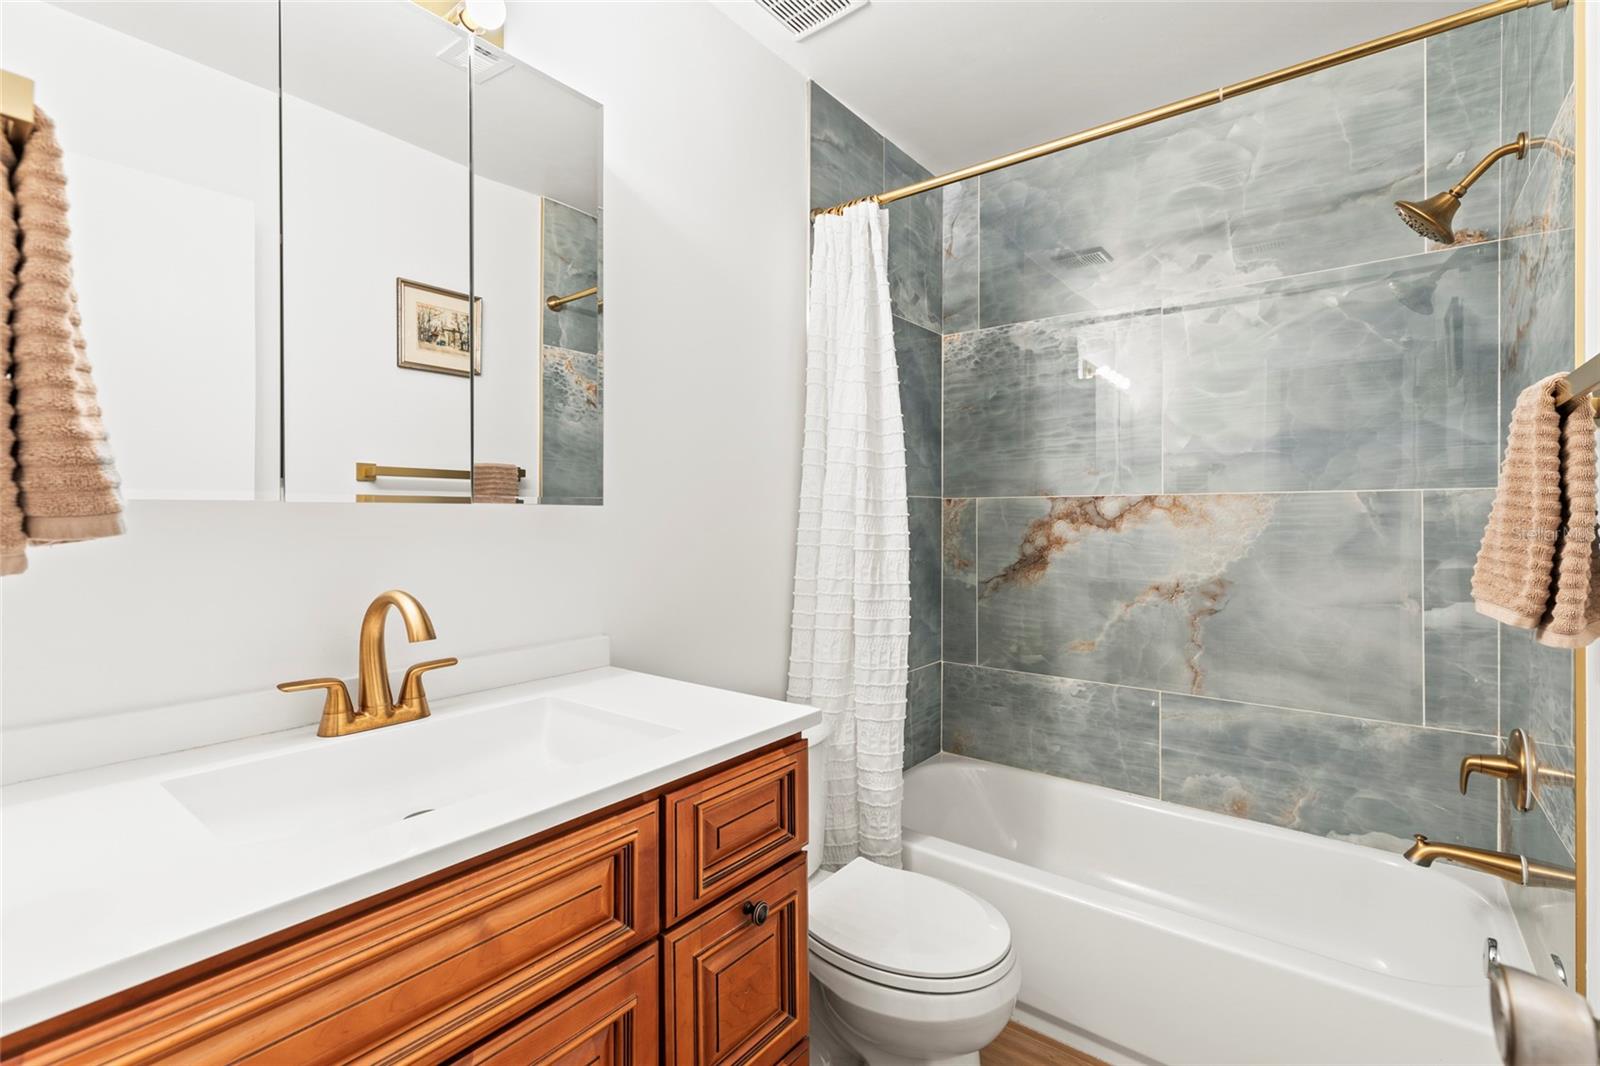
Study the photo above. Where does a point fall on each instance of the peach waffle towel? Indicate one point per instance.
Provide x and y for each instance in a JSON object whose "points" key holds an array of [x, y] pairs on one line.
{"points": [[495, 482], [69, 486], [1537, 568]]}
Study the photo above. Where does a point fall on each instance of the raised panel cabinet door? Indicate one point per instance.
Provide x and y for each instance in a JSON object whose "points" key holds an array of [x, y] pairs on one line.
{"points": [[415, 979], [735, 976], [732, 825], [612, 1019]]}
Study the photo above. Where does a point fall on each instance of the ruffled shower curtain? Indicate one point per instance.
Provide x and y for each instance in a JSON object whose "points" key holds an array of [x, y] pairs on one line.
{"points": [[849, 649]]}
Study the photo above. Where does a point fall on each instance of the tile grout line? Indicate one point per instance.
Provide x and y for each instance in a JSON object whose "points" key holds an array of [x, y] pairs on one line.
{"points": [[1223, 699]]}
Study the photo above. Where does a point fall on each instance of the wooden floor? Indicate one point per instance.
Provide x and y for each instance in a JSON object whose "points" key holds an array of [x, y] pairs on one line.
{"points": [[1017, 1046]]}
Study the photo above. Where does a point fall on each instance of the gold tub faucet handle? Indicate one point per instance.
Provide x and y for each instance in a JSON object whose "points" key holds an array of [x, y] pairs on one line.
{"points": [[1519, 765]]}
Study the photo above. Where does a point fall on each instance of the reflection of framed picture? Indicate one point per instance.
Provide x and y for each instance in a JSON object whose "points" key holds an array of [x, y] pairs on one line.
{"points": [[432, 327]]}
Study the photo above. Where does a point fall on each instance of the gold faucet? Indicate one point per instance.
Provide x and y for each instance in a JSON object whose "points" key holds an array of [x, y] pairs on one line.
{"points": [[377, 707], [1515, 868]]}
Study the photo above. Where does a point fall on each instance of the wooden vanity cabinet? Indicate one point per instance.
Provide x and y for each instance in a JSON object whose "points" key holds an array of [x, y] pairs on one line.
{"points": [[670, 928]]}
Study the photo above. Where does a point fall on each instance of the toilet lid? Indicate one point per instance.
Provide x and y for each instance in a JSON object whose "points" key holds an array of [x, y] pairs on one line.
{"points": [[901, 922]]}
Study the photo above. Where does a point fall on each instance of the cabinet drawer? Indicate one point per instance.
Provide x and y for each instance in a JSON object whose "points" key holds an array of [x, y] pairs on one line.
{"points": [[736, 991], [416, 979], [612, 1019], [729, 827]]}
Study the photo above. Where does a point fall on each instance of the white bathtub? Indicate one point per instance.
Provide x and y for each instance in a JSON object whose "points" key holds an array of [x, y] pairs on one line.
{"points": [[1150, 932]]}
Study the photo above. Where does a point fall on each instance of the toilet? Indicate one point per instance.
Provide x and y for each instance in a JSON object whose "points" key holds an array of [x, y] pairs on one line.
{"points": [[905, 968]]}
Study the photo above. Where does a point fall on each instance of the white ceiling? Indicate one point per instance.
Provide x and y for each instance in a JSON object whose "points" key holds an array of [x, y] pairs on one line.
{"points": [[954, 82]]}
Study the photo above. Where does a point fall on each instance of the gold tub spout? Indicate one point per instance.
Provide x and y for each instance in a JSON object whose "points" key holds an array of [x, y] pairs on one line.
{"points": [[1517, 869]]}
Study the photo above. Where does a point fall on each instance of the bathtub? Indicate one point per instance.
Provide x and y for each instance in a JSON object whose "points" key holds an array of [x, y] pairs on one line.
{"points": [[1150, 932]]}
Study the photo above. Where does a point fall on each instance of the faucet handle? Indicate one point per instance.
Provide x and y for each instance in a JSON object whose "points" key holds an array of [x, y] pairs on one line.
{"points": [[1520, 766], [412, 697], [337, 710]]}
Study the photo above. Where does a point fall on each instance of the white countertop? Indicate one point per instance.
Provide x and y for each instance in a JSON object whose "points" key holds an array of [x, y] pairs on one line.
{"points": [[110, 880]]}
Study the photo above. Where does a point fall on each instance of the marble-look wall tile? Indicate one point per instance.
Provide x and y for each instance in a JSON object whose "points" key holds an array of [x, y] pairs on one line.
{"points": [[1296, 179], [1102, 734], [1366, 782], [571, 264], [1380, 376], [925, 579], [1463, 120], [1307, 600], [1061, 406], [916, 231], [570, 429], [959, 541], [917, 356], [1530, 833], [1543, 196], [923, 698], [1462, 647], [846, 153], [961, 238], [1536, 76], [1536, 312]]}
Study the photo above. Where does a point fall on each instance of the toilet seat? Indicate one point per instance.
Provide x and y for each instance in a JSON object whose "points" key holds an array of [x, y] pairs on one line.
{"points": [[908, 931]]}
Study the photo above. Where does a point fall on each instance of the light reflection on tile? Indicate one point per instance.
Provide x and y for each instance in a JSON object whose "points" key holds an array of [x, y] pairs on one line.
{"points": [[1373, 377], [917, 357], [925, 579], [1463, 118], [1060, 406], [961, 256], [916, 229]]}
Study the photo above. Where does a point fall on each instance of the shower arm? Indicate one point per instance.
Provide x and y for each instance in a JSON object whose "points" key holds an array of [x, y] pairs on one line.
{"points": [[1518, 148]]}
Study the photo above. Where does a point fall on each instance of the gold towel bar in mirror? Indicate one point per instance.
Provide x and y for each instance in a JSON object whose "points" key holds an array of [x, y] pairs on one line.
{"points": [[373, 471], [556, 303], [1580, 383]]}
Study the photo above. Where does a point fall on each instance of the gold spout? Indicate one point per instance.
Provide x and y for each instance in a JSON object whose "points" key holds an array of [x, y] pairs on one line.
{"points": [[377, 707], [376, 695], [1517, 869]]}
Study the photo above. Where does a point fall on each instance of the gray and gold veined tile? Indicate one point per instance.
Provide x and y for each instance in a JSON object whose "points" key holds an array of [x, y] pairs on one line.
{"points": [[923, 698], [846, 153], [961, 239], [917, 357], [571, 426], [959, 542], [916, 232], [1380, 376], [1463, 120], [1304, 600], [1536, 312], [1462, 649], [1367, 782], [571, 264], [1101, 734], [1060, 406], [925, 579], [1296, 179]]}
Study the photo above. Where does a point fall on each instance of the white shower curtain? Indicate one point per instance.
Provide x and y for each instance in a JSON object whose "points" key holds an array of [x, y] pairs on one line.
{"points": [[852, 590]]}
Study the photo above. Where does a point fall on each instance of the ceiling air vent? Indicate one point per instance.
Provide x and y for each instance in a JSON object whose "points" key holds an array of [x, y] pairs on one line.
{"points": [[805, 17], [489, 63], [1084, 257]]}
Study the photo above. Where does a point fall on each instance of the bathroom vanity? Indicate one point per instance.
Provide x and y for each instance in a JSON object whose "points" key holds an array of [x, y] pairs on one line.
{"points": [[614, 871]]}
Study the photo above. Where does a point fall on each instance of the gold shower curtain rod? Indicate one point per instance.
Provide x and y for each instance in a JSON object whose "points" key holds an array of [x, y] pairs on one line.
{"points": [[1195, 103]]}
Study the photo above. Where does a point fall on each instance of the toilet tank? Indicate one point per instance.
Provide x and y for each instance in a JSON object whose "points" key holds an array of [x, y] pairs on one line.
{"points": [[817, 787]]}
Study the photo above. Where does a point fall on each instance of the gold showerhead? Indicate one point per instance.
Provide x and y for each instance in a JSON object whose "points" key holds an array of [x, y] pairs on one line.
{"points": [[1432, 216]]}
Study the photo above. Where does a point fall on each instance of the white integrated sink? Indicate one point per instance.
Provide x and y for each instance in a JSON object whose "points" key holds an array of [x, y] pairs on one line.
{"points": [[399, 772]]}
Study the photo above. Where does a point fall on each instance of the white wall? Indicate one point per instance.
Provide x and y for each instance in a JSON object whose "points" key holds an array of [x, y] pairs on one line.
{"points": [[687, 565], [705, 253]]}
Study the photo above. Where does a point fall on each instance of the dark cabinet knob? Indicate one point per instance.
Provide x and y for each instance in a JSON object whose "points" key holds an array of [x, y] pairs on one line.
{"points": [[757, 913]]}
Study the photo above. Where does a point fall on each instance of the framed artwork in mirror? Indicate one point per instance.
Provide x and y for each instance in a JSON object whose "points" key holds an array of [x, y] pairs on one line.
{"points": [[432, 329]]}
